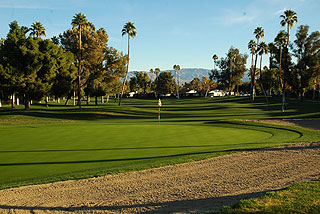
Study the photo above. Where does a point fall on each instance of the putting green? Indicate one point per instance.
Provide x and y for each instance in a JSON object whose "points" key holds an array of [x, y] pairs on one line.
{"points": [[54, 152]]}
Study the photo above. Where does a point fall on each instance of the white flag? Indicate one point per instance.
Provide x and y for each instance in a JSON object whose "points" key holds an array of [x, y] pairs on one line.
{"points": [[159, 103]]}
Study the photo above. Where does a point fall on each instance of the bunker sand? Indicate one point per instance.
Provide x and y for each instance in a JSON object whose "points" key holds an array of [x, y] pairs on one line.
{"points": [[189, 187]]}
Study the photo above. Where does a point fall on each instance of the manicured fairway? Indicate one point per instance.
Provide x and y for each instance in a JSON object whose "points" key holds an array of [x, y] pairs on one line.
{"points": [[61, 143]]}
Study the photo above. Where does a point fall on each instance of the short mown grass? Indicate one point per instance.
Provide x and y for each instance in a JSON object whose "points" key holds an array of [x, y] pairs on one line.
{"points": [[61, 143]]}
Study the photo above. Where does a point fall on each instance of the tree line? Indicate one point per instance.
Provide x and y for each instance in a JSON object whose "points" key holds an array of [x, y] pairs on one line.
{"points": [[77, 62], [294, 66]]}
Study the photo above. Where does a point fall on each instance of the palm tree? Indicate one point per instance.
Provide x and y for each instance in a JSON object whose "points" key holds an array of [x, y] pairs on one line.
{"points": [[263, 49], [252, 46], [78, 22], [215, 58], [177, 68], [231, 56], [156, 72], [271, 48], [130, 30], [37, 30], [279, 41], [288, 19], [259, 34]]}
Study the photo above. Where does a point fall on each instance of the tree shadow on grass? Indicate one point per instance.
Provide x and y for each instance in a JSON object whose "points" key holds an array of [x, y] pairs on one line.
{"points": [[220, 151], [71, 115], [185, 108], [179, 206]]}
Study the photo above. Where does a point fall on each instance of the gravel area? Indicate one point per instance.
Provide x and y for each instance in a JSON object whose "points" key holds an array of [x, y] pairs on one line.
{"points": [[185, 188]]}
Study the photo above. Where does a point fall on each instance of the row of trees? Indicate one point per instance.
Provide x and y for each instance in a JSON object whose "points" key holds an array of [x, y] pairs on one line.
{"points": [[294, 67], [79, 60], [164, 83]]}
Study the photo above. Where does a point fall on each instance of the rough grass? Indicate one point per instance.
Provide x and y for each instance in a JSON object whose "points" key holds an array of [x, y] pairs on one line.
{"points": [[299, 198], [61, 143]]}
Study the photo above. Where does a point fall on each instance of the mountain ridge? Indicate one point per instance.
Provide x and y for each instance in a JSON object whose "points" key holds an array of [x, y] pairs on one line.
{"points": [[187, 74]]}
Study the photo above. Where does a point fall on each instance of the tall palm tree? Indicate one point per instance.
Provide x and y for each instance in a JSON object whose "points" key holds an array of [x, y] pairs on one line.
{"points": [[288, 19], [271, 48], [78, 22], [215, 58], [177, 68], [263, 49], [252, 46], [130, 30], [279, 41], [37, 30], [259, 34], [231, 57], [156, 72]]}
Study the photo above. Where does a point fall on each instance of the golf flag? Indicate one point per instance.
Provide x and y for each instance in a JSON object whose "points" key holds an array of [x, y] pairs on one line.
{"points": [[159, 103]]}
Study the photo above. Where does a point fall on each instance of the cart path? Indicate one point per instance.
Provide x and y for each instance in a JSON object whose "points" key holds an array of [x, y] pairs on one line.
{"points": [[189, 187]]}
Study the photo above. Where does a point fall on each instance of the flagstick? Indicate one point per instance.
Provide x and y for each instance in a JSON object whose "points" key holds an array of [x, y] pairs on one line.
{"points": [[159, 105], [159, 117]]}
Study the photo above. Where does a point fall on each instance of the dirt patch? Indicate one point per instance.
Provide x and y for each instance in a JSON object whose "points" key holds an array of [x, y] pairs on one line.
{"points": [[190, 187]]}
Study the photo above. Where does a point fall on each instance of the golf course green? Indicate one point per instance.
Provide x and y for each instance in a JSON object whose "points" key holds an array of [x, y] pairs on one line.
{"points": [[61, 143]]}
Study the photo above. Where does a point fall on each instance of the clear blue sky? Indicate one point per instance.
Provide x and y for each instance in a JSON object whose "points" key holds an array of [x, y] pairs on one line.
{"points": [[169, 32]]}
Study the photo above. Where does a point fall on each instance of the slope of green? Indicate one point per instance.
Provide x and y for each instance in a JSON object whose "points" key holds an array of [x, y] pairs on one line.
{"points": [[59, 143]]}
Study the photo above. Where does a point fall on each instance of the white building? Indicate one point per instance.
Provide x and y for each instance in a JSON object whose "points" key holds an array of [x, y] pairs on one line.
{"points": [[216, 93]]}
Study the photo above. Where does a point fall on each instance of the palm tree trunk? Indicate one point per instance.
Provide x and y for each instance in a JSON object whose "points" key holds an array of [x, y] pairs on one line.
{"points": [[283, 96], [264, 92], [79, 70], [26, 103], [88, 99], [47, 101], [74, 97], [157, 84], [314, 90], [125, 78], [284, 78], [230, 81], [252, 60], [280, 67], [175, 77], [13, 100], [178, 91]]}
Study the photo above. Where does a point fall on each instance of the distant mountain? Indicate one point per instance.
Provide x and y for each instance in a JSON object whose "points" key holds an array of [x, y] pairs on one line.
{"points": [[187, 74]]}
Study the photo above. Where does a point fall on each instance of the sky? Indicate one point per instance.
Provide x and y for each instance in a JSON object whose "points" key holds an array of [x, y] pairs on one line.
{"points": [[184, 32]]}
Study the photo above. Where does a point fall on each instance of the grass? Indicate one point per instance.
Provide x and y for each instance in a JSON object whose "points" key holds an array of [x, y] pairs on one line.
{"points": [[60, 143], [299, 198]]}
